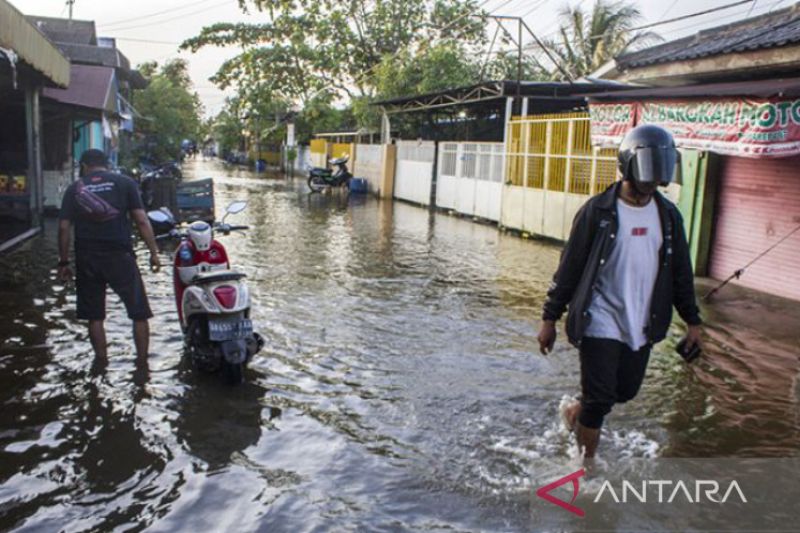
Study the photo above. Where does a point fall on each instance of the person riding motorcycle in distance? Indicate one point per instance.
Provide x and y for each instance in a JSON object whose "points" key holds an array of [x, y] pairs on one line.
{"points": [[625, 265]]}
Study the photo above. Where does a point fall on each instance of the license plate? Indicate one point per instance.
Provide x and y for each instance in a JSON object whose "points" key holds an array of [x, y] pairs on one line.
{"points": [[229, 330]]}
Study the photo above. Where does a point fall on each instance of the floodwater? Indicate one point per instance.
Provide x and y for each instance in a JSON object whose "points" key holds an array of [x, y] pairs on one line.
{"points": [[400, 387]]}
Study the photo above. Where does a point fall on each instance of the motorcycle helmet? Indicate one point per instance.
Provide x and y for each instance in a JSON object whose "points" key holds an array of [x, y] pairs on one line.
{"points": [[648, 157], [201, 236]]}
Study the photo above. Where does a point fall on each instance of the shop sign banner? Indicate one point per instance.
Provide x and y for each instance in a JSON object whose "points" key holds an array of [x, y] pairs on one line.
{"points": [[610, 122], [739, 127]]}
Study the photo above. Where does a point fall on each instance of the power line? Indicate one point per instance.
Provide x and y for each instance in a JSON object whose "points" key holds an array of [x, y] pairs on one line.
{"points": [[774, 5], [664, 14], [536, 6], [691, 15], [128, 20], [739, 15], [669, 21], [143, 40], [160, 22]]}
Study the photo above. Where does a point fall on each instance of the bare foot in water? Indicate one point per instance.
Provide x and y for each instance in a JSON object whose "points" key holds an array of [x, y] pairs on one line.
{"points": [[569, 414]]}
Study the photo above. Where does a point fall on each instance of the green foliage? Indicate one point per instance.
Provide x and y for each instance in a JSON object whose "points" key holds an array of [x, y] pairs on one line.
{"points": [[443, 66], [316, 55], [227, 129], [171, 110], [310, 46], [588, 40]]}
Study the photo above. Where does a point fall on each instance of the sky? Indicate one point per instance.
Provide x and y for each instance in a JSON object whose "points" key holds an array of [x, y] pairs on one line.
{"points": [[149, 30]]}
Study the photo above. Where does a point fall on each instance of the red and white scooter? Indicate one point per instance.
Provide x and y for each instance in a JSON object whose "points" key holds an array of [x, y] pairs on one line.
{"points": [[213, 302]]}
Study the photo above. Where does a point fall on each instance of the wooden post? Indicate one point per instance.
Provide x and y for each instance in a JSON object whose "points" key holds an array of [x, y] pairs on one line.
{"points": [[33, 121], [434, 171], [388, 163], [525, 133], [506, 139], [547, 149], [386, 129], [568, 169], [593, 175]]}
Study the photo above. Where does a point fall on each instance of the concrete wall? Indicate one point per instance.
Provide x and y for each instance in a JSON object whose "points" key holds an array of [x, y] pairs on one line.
{"points": [[55, 183], [369, 165], [414, 171], [301, 162]]}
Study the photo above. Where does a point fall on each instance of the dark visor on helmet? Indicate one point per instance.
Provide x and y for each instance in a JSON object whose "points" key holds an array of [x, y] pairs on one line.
{"points": [[655, 164]]}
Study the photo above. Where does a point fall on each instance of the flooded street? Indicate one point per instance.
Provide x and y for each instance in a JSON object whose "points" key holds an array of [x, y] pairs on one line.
{"points": [[400, 387]]}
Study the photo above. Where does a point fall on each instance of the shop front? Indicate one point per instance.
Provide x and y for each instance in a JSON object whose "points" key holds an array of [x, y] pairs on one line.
{"points": [[28, 63], [741, 191]]}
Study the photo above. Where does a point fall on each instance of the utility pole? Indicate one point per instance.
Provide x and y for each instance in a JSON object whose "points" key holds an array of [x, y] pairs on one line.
{"points": [[70, 3], [518, 42]]}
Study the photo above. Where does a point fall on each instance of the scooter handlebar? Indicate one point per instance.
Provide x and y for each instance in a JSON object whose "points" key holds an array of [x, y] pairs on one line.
{"points": [[227, 228], [171, 235]]}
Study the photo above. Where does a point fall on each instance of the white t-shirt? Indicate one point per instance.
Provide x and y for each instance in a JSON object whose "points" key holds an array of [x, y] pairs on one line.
{"points": [[621, 298]]}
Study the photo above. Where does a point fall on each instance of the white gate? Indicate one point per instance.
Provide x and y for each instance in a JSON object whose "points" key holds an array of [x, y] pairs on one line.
{"points": [[470, 178], [414, 171]]}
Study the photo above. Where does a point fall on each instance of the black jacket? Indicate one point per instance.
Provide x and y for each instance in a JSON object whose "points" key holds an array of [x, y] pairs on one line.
{"points": [[590, 242]]}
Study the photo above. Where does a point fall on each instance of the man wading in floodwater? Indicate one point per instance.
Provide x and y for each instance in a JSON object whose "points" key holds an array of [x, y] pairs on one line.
{"points": [[626, 263], [98, 205]]}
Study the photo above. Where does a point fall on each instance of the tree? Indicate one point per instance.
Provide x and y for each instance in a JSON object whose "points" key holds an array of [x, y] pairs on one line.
{"points": [[587, 41], [171, 110], [310, 46]]}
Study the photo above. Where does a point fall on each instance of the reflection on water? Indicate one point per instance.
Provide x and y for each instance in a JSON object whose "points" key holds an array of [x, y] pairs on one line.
{"points": [[398, 389]]}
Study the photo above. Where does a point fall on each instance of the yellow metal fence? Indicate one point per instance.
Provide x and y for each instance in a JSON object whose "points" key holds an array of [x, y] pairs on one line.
{"points": [[554, 152], [341, 149], [319, 146]]}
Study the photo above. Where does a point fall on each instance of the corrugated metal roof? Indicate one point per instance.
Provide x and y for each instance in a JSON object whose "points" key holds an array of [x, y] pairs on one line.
{"points": [[91, 87], [65, 30], [789, 87], [78, 40], [771, 30], [95, 55], [503, 88], [32, 47]]}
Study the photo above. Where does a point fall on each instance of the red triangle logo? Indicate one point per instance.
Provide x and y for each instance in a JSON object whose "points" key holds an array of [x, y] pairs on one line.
{"points": [[544, 492]]}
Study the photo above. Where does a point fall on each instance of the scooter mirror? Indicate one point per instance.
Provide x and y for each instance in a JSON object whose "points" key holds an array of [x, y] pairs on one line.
{"points": [[158, 216], [236, 207]]}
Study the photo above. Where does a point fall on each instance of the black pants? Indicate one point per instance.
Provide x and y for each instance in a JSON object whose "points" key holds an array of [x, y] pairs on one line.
{"points": [[610, 373], [96, 270]]}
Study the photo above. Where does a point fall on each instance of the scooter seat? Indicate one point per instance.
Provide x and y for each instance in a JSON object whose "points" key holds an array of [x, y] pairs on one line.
{"points": [[319, 171], [214, 277]]}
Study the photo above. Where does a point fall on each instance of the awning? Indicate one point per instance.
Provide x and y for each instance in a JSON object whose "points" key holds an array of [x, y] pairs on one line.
{"points": [[31, 46], [91, 87], [493, 91], [345, 133], [786, 87]]}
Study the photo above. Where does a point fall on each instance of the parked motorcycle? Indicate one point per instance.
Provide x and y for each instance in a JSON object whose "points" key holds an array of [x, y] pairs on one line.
{"points": [[320, 178], [147, 176], [213, 302]]}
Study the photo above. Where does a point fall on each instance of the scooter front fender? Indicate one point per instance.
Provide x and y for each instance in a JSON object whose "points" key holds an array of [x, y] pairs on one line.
{"points": [[234, 352]]}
